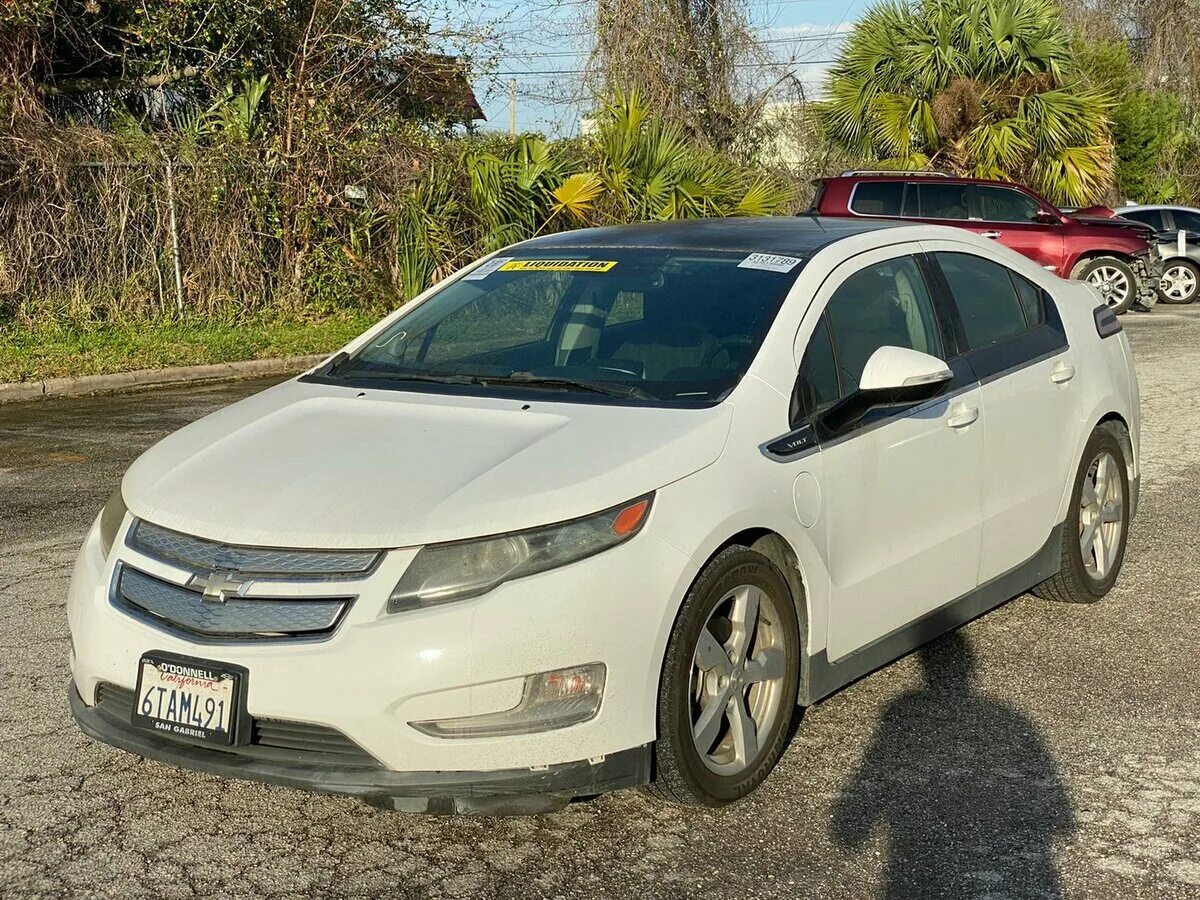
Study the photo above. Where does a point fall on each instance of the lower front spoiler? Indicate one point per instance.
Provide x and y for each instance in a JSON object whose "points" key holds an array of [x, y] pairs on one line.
{"points": [[500, 792]]}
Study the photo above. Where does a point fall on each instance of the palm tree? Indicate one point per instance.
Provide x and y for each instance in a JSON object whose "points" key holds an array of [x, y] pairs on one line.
{"points": [[981, 87]]}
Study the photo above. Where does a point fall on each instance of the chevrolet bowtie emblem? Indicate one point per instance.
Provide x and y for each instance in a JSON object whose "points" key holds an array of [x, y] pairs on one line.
{"points": [[218, 587]]}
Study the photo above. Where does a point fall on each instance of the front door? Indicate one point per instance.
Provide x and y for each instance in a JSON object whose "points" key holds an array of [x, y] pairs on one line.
{"points": [[900, 488]]}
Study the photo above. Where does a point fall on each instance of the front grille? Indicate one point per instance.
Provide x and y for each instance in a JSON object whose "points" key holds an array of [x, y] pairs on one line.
{"points": [[191, 552], [184, 611], [270, 739]]}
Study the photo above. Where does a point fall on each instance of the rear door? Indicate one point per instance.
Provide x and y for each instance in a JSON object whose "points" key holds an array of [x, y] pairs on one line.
{"points": [[1009, 216], [1017, 347]]}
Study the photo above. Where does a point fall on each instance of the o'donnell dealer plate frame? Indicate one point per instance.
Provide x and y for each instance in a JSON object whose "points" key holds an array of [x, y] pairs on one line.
{"points": [[240, 721]]}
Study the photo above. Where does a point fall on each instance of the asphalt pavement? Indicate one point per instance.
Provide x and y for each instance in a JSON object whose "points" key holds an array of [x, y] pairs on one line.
{"points": [[1044, 750]]}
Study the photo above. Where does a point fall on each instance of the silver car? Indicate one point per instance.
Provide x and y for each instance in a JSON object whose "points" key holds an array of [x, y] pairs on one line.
{"points": [[1179, 247]]}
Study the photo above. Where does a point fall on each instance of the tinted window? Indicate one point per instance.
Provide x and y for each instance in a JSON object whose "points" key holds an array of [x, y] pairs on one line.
{"points": [[817, 385], [986, 298], [886, 304], [676, 326], [1151, 217], [997, 204], [1188, 221], [939, 200], [1033, 300], [877, 198]]}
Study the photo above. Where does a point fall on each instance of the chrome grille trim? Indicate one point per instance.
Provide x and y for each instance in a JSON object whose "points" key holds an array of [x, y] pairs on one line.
{"points": [[185, 612], [186, 551]]}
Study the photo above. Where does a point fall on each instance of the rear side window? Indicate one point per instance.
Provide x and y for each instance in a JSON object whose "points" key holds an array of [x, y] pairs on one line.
{"points": [[1033, 300], [987, 298], [877, 198], [939, 200], [1187, 220]]}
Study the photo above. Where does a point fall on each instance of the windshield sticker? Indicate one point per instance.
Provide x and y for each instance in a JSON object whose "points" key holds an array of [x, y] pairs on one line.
{"points": [[558, 265], [770, 262], [486, 269]]}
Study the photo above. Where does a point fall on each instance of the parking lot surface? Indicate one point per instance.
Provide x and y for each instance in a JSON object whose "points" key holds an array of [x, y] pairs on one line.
{"points": [[1044, 750]]}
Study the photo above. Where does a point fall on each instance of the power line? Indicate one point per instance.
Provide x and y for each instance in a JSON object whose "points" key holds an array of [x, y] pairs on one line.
{"points": [[753, 65]]}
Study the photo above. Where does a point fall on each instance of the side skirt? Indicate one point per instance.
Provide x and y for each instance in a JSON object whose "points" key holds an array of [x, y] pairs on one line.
{"points": [[824, 678]]}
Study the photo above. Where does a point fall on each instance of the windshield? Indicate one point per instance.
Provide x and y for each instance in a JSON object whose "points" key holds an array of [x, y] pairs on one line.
{"points": [[663, 325]]}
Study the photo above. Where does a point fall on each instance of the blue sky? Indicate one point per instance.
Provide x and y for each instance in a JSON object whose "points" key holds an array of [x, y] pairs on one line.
{"points": [[543, 44]]}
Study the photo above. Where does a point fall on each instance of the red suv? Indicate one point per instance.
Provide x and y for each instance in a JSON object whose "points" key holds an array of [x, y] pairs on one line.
{"points": [[1113, 255]]}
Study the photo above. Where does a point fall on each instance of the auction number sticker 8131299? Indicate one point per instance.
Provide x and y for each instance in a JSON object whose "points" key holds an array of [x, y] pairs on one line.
{"points": [[194, 699]]}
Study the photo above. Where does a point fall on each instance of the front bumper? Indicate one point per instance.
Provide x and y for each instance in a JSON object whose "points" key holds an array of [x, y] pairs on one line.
{"points": [[499, 792], [1149, 269], [377, 672]]}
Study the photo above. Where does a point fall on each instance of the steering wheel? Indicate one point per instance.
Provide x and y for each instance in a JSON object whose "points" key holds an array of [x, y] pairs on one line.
{"points": [[730, 345]]}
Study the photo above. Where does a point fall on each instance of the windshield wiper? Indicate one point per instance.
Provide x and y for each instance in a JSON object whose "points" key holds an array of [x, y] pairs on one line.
{"points": [[412, 376], [625, 391]]}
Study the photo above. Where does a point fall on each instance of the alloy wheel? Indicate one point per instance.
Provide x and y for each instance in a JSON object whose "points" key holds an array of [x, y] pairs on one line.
{"points": [[1101, 516], [1112, 283], [1178, 283], [737, 678]]}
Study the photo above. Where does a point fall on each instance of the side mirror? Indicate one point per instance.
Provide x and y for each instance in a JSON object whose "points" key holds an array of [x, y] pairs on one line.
{"points": [[892, 369], [893, 376], [1045, 217]]}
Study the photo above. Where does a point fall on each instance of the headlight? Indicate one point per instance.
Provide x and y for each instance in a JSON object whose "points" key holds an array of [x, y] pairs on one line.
{"points": [[111, 518], [443, 572]]}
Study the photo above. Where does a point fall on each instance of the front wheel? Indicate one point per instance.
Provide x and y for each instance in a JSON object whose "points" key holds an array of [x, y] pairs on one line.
{"points": [[1113, 278], [729, 682], [1180, 281], [1097, 524]]}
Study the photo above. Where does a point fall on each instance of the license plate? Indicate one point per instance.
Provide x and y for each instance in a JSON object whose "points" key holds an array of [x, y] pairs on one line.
{"points": [[187, 698]]}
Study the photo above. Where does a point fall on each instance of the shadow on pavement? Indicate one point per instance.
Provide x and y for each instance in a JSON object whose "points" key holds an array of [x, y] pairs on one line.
{"points": [[964, 788]]}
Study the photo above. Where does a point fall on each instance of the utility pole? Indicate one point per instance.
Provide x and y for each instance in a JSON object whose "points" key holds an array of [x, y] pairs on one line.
{"points": [[512, 106]]}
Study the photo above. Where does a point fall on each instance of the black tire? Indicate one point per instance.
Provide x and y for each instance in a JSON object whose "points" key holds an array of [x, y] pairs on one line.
{"points": [[1179, 262], [680, 774], [1089, 266], [1074, 583]]}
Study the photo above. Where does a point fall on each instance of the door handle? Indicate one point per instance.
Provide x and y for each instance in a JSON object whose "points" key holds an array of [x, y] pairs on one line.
{"points": [[990, 234], [962, 415], [1062, 373]]}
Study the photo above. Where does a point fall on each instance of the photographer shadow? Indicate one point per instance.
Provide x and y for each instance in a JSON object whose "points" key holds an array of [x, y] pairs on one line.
{"points": [[964, 788]]}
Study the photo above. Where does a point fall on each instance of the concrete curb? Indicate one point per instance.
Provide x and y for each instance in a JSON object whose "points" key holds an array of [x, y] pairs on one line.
{"points": [[128, 381]]}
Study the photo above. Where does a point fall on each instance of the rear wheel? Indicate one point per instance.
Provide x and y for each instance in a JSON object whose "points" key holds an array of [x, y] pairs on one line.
{"points": [[729, 682], [1113, 278], [1180, 281], [1097, 525]]}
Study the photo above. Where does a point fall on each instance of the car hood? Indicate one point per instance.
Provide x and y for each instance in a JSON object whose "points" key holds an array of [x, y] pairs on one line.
{"points": [[1141, 229], [321, 466]]}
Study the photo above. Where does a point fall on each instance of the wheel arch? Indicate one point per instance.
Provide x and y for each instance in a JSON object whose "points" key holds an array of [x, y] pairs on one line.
{"points": [[1088, 255], [775, 547]]}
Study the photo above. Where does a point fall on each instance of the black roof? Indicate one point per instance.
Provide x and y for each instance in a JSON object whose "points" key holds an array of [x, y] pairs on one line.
{"points": [[790, 235]]}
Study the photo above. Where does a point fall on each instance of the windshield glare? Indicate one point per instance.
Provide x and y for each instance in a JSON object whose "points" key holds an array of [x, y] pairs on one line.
{"points": [[671, 326]]}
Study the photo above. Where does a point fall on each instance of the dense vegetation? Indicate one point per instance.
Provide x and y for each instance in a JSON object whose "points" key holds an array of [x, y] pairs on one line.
{"points": [[260, 164]]}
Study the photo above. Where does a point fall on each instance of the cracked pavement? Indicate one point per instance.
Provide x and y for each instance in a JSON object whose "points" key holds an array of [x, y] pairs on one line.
{"points": [[1044, 750]]}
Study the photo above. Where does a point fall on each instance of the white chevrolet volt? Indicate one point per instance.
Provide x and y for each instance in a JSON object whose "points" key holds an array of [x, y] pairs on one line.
{"points": [[609, 508]]}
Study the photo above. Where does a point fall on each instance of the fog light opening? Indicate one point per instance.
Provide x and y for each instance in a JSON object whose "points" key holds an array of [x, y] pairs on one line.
{"points": [[550, 700]]}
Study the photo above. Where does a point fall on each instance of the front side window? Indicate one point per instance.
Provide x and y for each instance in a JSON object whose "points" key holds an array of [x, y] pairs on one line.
{"points": [[885, 304], [986, 297], [1151, 217], [645, 324], [997, 204]]}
